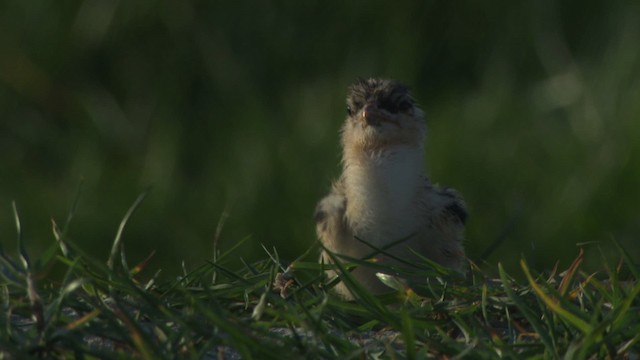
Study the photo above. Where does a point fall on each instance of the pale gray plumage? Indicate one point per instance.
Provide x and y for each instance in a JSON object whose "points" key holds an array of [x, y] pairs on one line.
{"points": [[383, 195]]}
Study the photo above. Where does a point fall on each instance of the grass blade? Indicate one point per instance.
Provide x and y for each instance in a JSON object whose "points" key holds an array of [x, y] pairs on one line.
{"points": [[554, 305], [566, 280], [528, 313], [118, 239], [627, 258], [24, 257]]}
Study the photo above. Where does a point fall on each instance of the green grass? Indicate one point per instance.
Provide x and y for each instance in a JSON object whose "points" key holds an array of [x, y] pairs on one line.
{"points": [[106, 308]]}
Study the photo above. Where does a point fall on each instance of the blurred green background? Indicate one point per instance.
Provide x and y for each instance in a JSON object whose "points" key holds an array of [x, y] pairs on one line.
{"points": [[533, 110]]}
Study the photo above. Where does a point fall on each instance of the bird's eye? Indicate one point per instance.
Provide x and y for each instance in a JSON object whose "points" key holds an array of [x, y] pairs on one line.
{"points": [[353, 108], [390, 107]]}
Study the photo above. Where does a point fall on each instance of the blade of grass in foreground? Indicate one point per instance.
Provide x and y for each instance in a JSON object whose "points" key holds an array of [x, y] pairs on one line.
{"points": [[61, 236], [627, 258], [118, 239], [612, 323], [24, 257], [566, 280], [408, 333], [554, 305], [368, 300], [528, 313], [37, 306]]}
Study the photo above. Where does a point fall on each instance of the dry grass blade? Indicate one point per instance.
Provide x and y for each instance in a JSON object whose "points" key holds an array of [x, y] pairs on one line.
{"points": [[569, 274], [24, 257], [554, 305]]}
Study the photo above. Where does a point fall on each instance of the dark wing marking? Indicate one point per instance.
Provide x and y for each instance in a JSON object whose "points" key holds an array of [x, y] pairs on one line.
{"points": [[458, 210], [448, 201]]}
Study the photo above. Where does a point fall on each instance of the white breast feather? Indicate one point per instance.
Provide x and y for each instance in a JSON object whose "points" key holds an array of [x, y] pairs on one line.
{"points": [[382, 193]]}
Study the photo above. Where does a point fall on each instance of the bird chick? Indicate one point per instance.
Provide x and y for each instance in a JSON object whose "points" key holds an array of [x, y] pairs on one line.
{"points": [[383, 194]]}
